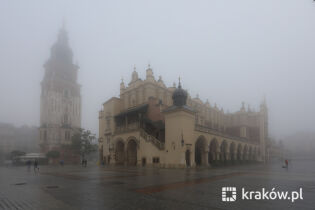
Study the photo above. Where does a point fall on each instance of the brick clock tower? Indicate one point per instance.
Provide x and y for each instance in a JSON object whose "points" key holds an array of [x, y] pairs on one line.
{"points": [[60, 100]]}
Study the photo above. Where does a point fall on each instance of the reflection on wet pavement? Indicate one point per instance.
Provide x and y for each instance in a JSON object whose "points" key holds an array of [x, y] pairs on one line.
{"points": [[74, 187]]}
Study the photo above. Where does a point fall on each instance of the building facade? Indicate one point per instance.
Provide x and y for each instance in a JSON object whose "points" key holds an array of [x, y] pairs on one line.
{"points": [[151, 124], [24, 139], [60, 100]]}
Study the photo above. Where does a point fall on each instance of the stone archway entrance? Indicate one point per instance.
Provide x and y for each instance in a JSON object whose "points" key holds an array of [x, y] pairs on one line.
{"points": [[239, 152], [120, 153], [232, 152], [223, 152], [132, 152], [213, 148], [187, 157], [245, 151], [200, 148]]}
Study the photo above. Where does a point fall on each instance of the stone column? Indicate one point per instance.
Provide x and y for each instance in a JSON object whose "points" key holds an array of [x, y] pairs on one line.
{"points": [[218, 154], [206, 158], [235, 155], [241, 155], [246, 156], [228, 157], [125, 154]]}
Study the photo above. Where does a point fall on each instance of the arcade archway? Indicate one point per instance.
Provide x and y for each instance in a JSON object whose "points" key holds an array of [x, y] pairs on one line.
{"points": [[120, 153], [245, 153], [132, 152], [223, 152], [239, 152], [213, 148], [232, 152], [200, 151]]}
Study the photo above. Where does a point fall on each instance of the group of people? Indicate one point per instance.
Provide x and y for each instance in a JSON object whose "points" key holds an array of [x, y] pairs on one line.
{"points": [[29, 163], [35, 164]]}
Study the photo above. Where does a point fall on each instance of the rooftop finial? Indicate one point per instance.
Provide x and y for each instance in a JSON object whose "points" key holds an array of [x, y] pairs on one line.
{"points": [[122, 84], [179, 95], [134, 67]]}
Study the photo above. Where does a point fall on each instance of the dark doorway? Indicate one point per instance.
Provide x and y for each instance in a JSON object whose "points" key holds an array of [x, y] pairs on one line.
{"points": [[132, 153], [200, 147], [144, 161], [187, 155], [120, 153]]}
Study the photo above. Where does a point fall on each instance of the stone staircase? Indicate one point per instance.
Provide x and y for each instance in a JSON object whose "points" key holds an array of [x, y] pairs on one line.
{"points": [[148, 138]]}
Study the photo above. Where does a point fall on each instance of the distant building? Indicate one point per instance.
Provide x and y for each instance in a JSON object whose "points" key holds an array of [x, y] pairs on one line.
{"points": [[60, 100], [22, 138], [151, 124], [300, 145]]}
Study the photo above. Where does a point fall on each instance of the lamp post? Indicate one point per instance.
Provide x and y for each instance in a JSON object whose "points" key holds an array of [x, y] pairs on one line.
{"points": [[83, 149], [183, 142]]}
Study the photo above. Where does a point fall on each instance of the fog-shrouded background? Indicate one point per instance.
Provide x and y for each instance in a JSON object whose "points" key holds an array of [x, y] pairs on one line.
{"points": [[225, 51]]}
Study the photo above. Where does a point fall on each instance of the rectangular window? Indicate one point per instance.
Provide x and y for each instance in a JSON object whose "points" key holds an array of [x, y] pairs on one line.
{"points": [[156, 160]]}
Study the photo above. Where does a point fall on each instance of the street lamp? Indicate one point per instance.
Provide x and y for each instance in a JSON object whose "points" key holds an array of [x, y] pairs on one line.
{"points": [[183, 142], [83, 149]]}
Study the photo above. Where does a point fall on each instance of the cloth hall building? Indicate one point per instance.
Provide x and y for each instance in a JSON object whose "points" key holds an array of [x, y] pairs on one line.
{"points": [[154, 125]]}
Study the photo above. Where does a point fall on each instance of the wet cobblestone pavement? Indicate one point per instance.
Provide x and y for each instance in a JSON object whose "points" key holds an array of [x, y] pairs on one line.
{"points": [[74, 187]]}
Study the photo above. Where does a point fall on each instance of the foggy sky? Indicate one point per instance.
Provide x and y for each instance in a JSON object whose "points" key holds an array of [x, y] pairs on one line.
{"points": [[226, 51]]}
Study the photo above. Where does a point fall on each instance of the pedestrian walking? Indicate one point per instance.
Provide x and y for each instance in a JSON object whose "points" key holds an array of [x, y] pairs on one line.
{"points": [[28, 163], [36, 168]]}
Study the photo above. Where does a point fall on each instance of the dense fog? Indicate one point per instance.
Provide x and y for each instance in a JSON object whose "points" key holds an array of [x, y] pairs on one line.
{"points": [[225, 51]]}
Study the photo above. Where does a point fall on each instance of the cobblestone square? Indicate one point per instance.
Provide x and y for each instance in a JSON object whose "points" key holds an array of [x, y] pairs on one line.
{"points": [[74, 187]]}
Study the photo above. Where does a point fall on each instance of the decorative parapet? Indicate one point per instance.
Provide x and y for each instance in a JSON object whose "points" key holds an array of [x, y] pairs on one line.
{"points": [[205, 129]]}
